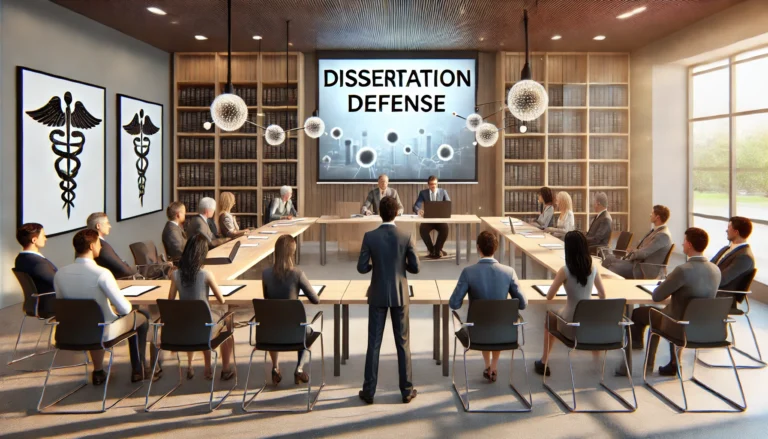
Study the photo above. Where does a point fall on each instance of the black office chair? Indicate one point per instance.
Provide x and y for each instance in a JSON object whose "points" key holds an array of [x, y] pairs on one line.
{"points": [[149, 263], [703, 327], [80, 327], [280, 325], [657, 271], [187, 326], [265, 214], [600, 326], [623, 241], [32, 308], [491, 326]]}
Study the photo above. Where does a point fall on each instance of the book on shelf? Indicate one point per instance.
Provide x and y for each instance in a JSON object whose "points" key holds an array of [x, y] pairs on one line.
{"points": [[197, 96]]}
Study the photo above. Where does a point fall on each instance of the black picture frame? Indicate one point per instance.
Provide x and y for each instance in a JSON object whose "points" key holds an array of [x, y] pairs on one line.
{"points": [[20, 143], [119, 143]]}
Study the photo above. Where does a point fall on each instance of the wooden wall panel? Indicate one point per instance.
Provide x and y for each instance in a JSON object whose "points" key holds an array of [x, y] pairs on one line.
{"points": [[478, 199]]}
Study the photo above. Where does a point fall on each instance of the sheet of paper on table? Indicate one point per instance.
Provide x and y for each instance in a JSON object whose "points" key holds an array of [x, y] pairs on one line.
{"points": [[226, 290], [138, 290], [258, 237]]}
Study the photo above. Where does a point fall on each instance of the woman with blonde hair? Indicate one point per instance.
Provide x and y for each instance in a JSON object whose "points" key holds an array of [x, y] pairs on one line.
{"points": [[565, 222], [283, 281], [228, 226]]}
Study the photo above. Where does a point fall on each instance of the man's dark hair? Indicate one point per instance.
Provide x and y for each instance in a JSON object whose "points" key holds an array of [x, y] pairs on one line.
{"points": [[173, 209], [388, 209], [662, 212], [546, 195], [27, 232], [83, 240], [742, 225], [431, 179], [487, 243], [698, 238]]}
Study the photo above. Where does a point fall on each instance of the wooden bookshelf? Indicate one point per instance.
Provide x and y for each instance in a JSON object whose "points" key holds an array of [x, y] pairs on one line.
{"points": [[207, 163], [580, 144]]}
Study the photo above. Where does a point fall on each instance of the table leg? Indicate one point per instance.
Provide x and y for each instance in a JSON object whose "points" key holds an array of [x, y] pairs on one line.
{"points": [[469, 233], [436, 333], [502, 246], [322, 243], [298, 249], [345, 334], [628, 313], [458, 247], [511, 253], [446, 316], [523, 269], [336, 340]]}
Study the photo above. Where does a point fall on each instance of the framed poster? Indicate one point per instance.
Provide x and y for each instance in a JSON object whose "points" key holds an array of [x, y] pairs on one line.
{"points": [[61, 157], [139, 157]]}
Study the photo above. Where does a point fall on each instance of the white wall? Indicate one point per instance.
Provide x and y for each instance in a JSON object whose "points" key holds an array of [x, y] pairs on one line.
{"points": [[47, 37]]}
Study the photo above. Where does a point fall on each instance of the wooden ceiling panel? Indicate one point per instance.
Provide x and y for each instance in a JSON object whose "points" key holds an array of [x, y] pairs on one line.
{"points": [[487, 25]]}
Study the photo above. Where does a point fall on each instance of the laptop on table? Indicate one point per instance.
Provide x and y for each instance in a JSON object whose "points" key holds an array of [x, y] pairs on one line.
{"points": [[224, 260], [437, 209]]}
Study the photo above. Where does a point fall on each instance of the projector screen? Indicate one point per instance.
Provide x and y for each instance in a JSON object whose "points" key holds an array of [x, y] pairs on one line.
{"points": [[395, 117]]}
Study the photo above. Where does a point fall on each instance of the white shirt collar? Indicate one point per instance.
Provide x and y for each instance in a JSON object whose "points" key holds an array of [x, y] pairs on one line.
{"points": [[175, 223], [733, 247], [599, 213], [84, 261], [32, 253], [388, 223], [102, 238], [488, 258]]}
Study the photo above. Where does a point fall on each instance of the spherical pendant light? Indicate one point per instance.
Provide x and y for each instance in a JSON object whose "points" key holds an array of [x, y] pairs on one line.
{"points": [[473, 121], [527, 100], [314, 127], [487, 134], [229, 111], [274, 135]]}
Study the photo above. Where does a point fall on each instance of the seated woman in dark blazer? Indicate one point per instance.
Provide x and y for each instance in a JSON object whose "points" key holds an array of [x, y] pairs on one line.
{"points": [[283, 281]]}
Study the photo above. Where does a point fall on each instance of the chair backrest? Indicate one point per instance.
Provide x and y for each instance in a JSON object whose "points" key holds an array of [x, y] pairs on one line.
{"points": [[279, 321], [265, 215], [669, 255], [184, 322], [707, 320], [78, 322], [144, 253], [28, 288], [744, 283], [625, 238], [599, 321], [493, 321]]}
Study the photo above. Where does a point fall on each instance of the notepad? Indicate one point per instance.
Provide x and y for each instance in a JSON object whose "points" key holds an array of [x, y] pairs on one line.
{"points": [[648, 288], [356, 215], [268, 232], [258, 237], [318, 289], [532, 235], [551, 246], [250, 245], [226, 290], [138, 290], [543, 289], [516, 222]]}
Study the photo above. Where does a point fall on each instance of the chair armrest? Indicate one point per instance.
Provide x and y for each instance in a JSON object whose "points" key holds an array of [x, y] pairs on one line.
{"points": [[43, 294], [557, 316], [319, 315], [227, 315], [626, 322], [734, 292], [678, 322], [252, 324]]}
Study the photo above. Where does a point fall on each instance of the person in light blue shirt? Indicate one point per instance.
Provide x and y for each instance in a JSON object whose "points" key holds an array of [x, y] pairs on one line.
{"points": [[487, 280]]}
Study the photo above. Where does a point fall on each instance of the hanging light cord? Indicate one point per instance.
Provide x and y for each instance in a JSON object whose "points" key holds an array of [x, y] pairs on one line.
{"points": [[229, 86]]}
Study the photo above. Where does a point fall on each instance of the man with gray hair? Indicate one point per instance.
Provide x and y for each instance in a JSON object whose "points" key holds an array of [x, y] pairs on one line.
{"points": [[283, 208], [371, 204], [599, 233], [198, 224], [108, 258]]}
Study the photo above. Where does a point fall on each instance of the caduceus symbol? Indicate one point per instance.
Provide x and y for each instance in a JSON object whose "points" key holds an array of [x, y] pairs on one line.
{"points": [[141, 126], [68, 143]]}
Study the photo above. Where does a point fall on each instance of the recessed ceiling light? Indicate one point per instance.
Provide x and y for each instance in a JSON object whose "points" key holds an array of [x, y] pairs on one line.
{"points": [[155, 10], [556, 37], [482, 38], [599, 38], [632, 12], [290, 44], [201, 37], [175, 22], [257, 37]]}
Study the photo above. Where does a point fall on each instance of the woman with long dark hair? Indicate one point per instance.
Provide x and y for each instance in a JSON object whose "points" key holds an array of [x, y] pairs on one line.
{"points": [[577, 277], [547, 215], [284, 281], [192, 282]]}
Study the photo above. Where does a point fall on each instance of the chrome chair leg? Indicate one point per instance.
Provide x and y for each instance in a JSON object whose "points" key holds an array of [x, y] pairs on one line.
{"points": [[757, 359], [147, 405], [247, 402], [34, 353], [630, 407], [735, 405], [215, 362]]}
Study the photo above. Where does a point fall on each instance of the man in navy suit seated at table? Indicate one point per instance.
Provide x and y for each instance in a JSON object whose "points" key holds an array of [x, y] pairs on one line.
{"points": [[432, 194], [108, 258], [486, 280], [31, 237]]}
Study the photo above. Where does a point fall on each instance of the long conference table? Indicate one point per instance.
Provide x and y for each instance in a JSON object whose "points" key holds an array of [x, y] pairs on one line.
{"points": [[456, 220], [343, 293]]}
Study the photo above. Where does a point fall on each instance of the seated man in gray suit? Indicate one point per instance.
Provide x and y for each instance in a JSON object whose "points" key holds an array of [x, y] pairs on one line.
{"points": [[371, 204], [432, 194], [696, 279], [652, 249], [174, 237], [735, 260], [195, 224], [389, 253], [599, 232], [107, 257], [487, 280]]}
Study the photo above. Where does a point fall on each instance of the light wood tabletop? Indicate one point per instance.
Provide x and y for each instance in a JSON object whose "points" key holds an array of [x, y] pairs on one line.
{"points": [[424, 293]]}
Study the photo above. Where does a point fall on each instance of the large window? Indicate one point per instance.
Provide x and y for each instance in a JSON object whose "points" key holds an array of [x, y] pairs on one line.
{"points": [[728, 119]]}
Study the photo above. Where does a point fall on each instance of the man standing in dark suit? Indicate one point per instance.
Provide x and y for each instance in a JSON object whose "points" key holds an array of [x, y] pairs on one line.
{"points": [[108, 258], [736, 260], [31, 237], [432, 194], [389, 253], [174, 237]]}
